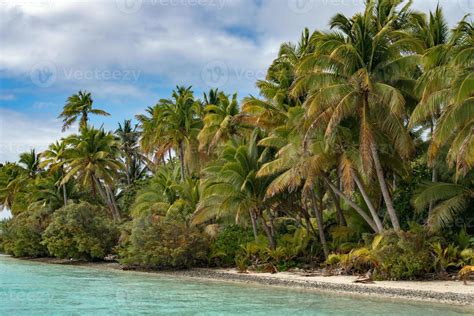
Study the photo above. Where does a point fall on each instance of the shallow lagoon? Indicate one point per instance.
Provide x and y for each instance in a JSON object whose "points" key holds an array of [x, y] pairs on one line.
{"points": [[44, 289]]}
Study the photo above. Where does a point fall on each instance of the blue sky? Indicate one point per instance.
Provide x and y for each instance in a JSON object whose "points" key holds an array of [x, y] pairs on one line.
{"points": [[130, 53]]}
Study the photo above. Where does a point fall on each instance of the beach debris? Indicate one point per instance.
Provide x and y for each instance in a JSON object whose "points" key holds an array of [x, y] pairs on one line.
{"points": [[366, 278], [465, 273]]}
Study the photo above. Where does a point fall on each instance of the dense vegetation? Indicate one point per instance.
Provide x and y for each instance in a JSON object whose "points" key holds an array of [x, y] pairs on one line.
{"points": [[357, 155]]}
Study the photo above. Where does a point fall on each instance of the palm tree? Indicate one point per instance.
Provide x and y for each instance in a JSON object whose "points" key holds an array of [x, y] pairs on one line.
{"points": [[450, 199], [233, 190], [55, 159], [346, 78], [128, 137], [92, 159], [446, 93], [181, 123], [30, 161], [79, 106], [12, 181], [220, 120]]}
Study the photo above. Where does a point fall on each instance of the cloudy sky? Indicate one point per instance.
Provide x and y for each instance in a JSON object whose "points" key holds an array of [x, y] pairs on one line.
{"points": [[130, 53]]}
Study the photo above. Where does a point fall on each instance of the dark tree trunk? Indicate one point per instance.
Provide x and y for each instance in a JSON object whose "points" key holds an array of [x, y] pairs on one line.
{"points": [[319, 221], [64, 194], [340, 215], [271, 238], [254, 224]]}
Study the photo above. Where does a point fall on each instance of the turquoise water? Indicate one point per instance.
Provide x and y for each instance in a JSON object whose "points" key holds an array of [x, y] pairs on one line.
{"points": [[28, 288]]}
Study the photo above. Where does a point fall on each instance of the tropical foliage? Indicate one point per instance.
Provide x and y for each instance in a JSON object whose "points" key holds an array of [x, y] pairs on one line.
{"points": [[356, 155]]}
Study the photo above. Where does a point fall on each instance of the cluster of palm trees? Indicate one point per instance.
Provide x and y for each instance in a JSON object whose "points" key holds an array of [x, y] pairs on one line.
{"points": [[340, 118]]}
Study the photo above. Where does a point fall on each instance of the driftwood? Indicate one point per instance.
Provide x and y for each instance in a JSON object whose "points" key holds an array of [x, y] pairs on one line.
{"points": [[367, 278]]}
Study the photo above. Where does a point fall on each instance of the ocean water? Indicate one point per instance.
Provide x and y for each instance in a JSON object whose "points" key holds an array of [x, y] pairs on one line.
{"points": [[30, 288]]}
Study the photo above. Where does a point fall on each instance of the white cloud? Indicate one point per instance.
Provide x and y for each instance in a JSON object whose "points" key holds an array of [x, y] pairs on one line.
{"points": [[170, 40], [20, 133]]}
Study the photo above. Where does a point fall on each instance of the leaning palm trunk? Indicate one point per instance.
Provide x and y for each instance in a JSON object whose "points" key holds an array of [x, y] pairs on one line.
{"points": [[254, 224], [105, 197], [383, 186], [369, 203], [340, 215], [116, 212], [356, 207], [319, 222]]}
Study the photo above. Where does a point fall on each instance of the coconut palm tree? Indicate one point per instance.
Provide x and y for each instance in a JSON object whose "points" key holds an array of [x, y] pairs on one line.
{"points": [[54, 158], [92, 158], [179, 124], [30, 162], [446, 93], [78, 107], [451, 199], [232, 188], [12, 181], [353, 74], [128, 138], [220, 120]]}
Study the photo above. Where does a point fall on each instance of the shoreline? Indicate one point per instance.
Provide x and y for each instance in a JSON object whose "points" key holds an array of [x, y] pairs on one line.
{"points": [[454, 293]]}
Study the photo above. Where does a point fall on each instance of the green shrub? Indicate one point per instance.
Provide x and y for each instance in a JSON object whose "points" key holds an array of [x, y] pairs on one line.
{"points": [[403, 256], [21, 235], [80, 231], [467, 257], [158, 244], [227, 243]]}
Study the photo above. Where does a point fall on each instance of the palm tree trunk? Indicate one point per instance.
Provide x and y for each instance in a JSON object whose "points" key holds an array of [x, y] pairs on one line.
{"points": [[181, 159], [356, 207], [434, 178], [369, 203], [384, 188], [319, 221], [64, 194], [271, 238], [340, 215], [434, 174], [105, 197], [170, 158], [116, 212], [254, 224]]}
